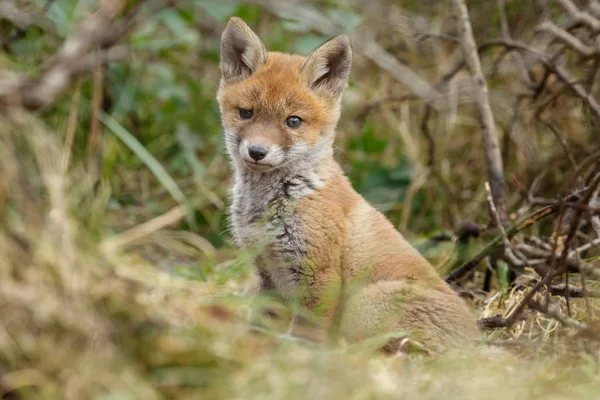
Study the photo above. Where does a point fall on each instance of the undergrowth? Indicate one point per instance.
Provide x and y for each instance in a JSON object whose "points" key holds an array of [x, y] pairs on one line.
{"points": [[118, 278]]}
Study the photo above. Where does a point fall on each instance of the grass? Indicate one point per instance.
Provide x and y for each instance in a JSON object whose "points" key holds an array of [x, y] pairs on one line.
{"points": [[79, 322], [110, 288]]}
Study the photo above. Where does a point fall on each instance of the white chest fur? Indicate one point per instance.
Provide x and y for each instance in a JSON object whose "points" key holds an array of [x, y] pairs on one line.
{"points": [[263, 213]]}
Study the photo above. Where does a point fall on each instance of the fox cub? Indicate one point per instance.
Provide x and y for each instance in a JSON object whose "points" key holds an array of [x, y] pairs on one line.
{"points": [[324, 248]]}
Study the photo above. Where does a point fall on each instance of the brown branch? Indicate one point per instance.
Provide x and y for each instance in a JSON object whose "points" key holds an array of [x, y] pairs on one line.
{"points": [[491, 145], [560, 72], [553, 312], [524, 223], [569, 40], [59, 71], [497, 242], [579, 17], [567, 204], [572, 291], [316, 20], [562, 141], [589, 192]]}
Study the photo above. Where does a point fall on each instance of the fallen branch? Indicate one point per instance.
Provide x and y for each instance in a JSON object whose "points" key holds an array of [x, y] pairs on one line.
{"points": [[497, 243], [553, 312], [572, 291]]}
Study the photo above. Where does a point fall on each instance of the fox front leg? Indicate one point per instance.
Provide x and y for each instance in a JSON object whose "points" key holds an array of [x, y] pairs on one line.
{"points": [[318, 299]]}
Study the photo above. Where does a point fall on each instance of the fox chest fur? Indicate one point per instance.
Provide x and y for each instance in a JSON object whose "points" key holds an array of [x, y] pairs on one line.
{"points": [[264, 217]]}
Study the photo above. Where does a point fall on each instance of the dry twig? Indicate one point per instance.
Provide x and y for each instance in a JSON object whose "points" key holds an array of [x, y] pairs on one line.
{"points": [[491, 145], [58, 73]]}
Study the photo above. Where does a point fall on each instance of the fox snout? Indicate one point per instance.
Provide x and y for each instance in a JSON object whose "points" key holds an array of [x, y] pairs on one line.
{"points": [[257, 153], [260, 156]]}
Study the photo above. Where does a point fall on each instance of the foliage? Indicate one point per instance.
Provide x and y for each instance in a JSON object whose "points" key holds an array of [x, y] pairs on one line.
{"points": [[160, 316]]}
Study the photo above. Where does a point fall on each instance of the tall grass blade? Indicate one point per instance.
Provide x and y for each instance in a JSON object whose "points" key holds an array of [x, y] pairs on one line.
{"points": [[152, 163]]}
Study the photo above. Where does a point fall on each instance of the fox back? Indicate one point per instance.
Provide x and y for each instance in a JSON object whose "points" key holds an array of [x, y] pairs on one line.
{"points": [[324, 248]]}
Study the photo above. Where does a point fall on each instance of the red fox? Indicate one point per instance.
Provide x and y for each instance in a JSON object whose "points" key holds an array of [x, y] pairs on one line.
{"points": [[325, 248]]}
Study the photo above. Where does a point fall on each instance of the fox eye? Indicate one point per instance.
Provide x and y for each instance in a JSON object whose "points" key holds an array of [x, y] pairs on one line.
{"points": [[293, 122], [245, 114]]}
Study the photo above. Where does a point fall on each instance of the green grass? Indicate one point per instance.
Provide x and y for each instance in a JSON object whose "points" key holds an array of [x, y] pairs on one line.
{"points": [[163, 315]]}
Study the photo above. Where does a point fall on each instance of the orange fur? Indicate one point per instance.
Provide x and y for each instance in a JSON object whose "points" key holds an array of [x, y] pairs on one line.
{"points": [[348, 264]]}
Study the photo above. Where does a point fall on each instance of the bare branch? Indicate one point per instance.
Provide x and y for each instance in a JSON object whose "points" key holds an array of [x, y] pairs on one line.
{"points": [[70, 60], [578, 16], [361, 42], [496, 244], [523, 223], [569, 40], [560, 72], [491, 145], [553, 312], [572, 291]]}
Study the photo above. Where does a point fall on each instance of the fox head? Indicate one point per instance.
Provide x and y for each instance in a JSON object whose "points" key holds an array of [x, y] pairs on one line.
{"points": [[279, 110]]}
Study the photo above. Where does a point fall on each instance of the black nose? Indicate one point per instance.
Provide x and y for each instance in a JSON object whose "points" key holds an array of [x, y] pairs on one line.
{"points": [[257, 152]]}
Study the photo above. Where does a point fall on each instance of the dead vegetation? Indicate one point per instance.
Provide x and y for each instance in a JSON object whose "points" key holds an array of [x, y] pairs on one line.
{"points": [[511, 175]]}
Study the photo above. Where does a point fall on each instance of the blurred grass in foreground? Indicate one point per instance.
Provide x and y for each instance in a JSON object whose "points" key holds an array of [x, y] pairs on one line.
{"points": [[78, 323], [111, 288]]}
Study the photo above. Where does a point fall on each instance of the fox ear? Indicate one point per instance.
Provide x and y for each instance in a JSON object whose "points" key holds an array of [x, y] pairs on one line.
{"points": [[242, 52], [328, 67]]}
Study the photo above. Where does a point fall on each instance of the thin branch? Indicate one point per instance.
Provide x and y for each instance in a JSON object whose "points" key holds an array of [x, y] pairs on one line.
{"points": [[567, 204], [58, 73], [569, 40], [491, 145], [560, 72], [553, 312], [579, 17], [562, 141], [572, 291], [497, 242], [594, 184], [361, 43]]}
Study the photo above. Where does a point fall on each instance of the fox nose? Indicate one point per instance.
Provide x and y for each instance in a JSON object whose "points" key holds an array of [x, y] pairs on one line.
{"points": [[257, 152]]}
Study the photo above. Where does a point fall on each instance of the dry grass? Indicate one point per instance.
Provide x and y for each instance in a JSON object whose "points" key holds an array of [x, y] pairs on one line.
{"points": [[79, 323], [101, 302]]}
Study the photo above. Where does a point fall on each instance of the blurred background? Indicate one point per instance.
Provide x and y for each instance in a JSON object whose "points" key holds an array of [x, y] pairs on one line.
{"points": [[113, 170]]}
